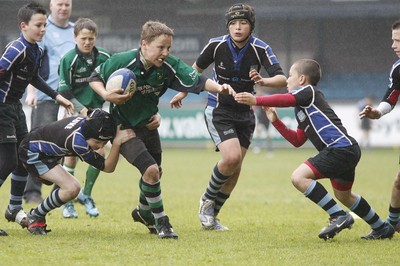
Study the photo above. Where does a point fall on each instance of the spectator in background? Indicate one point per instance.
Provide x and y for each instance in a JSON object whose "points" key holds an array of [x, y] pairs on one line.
{"points": [[366, 124], [74, 85], [58, 40]]}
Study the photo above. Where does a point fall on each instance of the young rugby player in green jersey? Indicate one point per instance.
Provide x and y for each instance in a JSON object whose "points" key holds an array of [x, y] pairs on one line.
{"points": [[75, 69], [156, 71]]}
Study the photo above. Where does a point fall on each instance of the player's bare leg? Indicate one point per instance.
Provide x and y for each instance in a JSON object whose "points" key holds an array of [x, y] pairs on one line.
{"points": [[68, 188], [394, 208]]}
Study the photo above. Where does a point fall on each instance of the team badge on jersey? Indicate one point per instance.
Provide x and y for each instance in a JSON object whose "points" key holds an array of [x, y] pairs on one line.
{"points": [[193, 74], [301, 115]]}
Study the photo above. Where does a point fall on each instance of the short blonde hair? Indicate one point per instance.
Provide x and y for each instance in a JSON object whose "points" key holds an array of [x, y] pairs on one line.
{"points": [[153, 29]]}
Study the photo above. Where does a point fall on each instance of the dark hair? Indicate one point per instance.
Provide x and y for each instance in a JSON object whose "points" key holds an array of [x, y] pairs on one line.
{"points": [[99, 125], [85, 23], [309, 68], [241, 11], [26, 12], [396, 25]]}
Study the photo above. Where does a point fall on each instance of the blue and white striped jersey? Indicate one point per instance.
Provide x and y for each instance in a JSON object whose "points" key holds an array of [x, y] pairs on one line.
{"points": [[320, 123], [19, 65], [232, 66], [393, 91], [59, 139]]}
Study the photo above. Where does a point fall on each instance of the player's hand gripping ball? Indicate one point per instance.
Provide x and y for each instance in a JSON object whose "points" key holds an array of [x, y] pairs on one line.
{"points": [[122, 79]]}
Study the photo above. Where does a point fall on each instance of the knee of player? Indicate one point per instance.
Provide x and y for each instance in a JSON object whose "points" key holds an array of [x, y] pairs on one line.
{"points": [[296, 179], [232, 161], [152, 174], [72, 189], [397, 182]]}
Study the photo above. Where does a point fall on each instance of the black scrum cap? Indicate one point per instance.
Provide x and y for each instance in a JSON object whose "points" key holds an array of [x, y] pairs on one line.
{"points": [[241, 11], [99, 125]]}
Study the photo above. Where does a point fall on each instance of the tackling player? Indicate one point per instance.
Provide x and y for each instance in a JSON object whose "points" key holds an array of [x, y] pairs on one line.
{"points": [[43, 148], [338, 156]]}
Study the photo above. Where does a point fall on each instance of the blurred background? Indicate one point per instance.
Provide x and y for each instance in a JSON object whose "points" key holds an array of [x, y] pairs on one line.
{"points": [[351, 39]]}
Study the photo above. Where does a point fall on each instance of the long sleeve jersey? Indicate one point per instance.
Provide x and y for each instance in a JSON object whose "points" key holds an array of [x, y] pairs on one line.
{"points": [[19, 66]]}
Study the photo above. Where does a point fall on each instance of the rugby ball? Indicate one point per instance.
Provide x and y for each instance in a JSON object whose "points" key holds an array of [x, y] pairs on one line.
{"points": [[122, 79]]}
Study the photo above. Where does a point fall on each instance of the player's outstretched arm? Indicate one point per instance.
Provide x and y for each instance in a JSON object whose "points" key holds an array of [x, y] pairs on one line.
{"points": [[65, 103], [226, 89], [121, 137], [246, 98], [271, 113], [370, 112], [177, 100], [31, 99], [213, 86], [296, 137]]}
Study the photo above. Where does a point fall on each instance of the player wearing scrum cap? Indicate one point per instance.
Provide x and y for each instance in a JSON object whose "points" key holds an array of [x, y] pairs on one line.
{"points": [[238, 57], [42, 150]]}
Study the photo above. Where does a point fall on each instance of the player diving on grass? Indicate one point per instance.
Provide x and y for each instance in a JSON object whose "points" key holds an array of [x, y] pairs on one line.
{"points": [[338, 155], [42, 149]]}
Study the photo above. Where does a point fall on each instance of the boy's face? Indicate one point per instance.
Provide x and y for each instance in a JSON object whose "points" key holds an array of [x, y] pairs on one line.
{"points": [[396, 41], [96, 144], [85, 41], [158, 50], [239, 30], [293, 80], [35, 29]]}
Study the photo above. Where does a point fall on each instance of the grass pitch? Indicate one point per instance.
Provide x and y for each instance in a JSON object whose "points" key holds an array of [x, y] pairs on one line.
{"points": [[270, 222]]}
